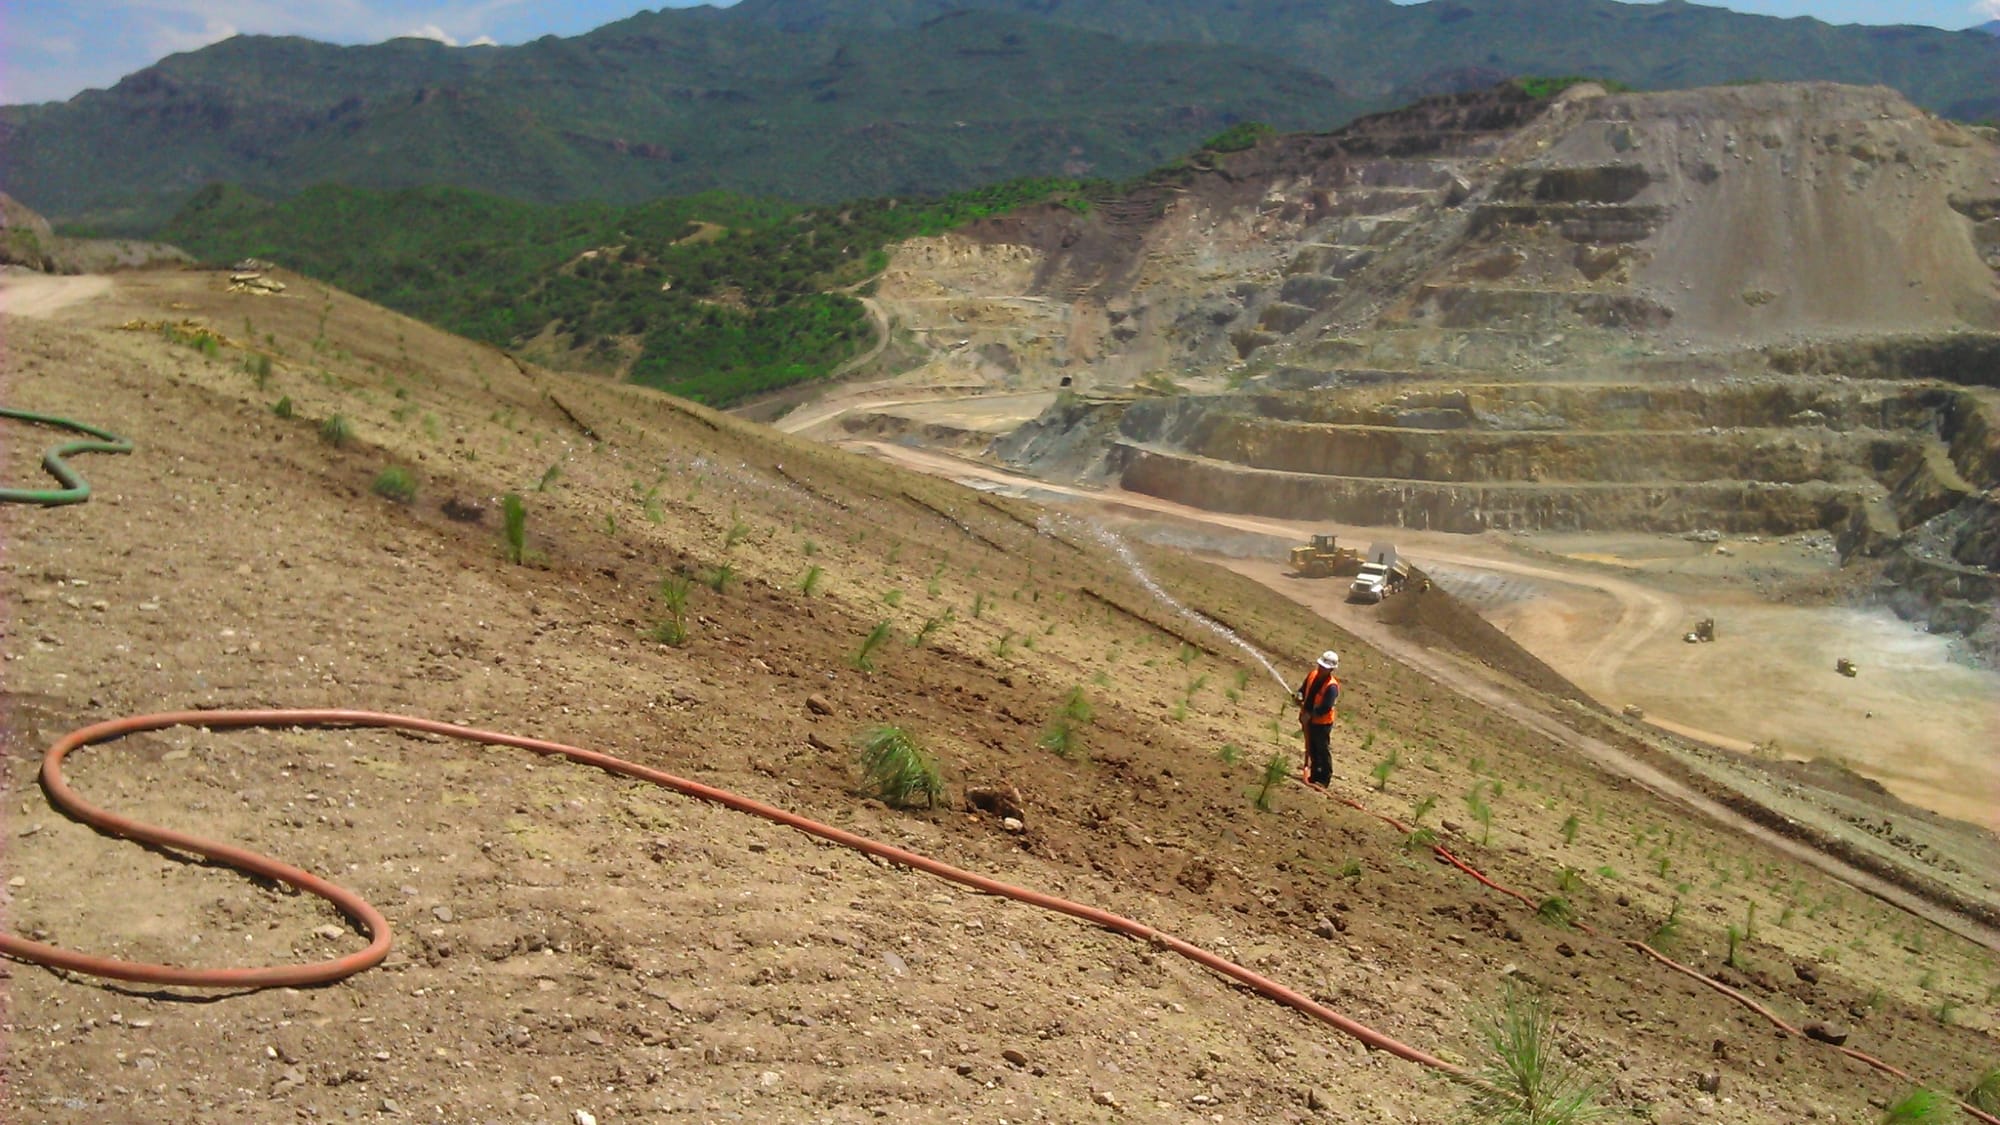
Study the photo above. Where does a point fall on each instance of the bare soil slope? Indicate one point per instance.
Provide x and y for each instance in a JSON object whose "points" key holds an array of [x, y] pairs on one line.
{"points": [[572, 943]]}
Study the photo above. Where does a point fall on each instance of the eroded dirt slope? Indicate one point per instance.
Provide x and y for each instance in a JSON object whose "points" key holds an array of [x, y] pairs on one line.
{"points": [[568, 942]]}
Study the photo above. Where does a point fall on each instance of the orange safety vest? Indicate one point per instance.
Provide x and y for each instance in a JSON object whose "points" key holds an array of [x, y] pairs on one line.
{"points": [[1317, 697]]}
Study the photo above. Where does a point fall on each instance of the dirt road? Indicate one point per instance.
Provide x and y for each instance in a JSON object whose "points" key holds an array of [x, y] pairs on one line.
{"points": [[44, 295]]}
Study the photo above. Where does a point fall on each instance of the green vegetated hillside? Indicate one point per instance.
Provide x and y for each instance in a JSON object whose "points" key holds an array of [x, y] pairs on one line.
{"points": [[714, 297], [670, 102], [819, 100]]}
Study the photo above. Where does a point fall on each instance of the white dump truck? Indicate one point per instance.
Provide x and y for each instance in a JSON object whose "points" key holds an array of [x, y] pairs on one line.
{"points": [[1383, 574]]}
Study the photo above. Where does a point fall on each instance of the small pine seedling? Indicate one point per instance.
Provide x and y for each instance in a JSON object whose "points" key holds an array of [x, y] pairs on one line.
{"points": [[1569, 828], [1230, 753], [810, 582], [864, 657], [1555, 910], [1526, 1080], [514, 528], [897, 770], [395, 483], [1275, 772], [1384, 768], [673, 630], [1984, 1092], [1669, 930], [1920, 1107], [283, 407], [336, 431], [549, 477], [718, 577]]}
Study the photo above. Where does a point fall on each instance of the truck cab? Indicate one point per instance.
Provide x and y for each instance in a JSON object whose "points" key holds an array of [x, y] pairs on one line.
{"points": [[1368, 586]]}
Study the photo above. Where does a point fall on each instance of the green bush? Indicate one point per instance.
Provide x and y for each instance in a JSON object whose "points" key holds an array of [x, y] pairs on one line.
{"points": [[897, 770]]}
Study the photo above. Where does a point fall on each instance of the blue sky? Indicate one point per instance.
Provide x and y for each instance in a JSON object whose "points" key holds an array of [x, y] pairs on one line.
{"points": [[51, 49]]}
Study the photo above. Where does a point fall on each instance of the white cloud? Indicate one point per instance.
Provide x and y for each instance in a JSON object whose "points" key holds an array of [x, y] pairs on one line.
{"points": [[1988, 8], [430, 31]]}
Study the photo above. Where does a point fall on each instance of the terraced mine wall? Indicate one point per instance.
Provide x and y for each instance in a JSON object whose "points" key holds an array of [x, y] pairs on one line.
{"points": [[1744, 507]]}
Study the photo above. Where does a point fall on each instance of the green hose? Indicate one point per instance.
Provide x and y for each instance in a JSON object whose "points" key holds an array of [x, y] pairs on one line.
{"points": [[74, 490]]}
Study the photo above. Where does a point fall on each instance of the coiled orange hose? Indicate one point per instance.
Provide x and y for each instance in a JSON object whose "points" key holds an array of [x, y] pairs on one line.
{"points": [[371, 920]]}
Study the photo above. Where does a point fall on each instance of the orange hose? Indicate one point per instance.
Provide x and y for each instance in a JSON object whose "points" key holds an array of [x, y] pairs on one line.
{"points": [[354, 907]]}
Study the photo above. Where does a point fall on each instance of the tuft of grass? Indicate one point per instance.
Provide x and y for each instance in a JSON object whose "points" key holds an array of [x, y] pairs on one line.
{"points": [[336, 431], [283, 407], [1569, 828], [1230, 753], [259, 367], [897, 770], [514, 528], [864, 657], [1527, 1080], [395, 483], [1735, 937], [718, 577], [1275, 772], [549, 477]]}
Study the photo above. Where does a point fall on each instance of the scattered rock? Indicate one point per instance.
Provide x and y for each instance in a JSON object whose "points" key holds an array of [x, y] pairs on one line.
{"points": [[1013, 824], [1316, 1101], [1015, 1057], [819, 704], [1806, 973], [1710, 1083], [583, 1117], [1105, 1098], [1826, 1032], [442, 913]]}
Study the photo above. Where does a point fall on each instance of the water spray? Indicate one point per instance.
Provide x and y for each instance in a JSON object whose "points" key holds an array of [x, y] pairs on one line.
{"points": [[1048, 525]]}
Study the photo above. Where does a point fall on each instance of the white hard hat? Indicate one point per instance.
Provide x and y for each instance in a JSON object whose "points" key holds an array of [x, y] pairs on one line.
{"points": [[1329, 660]]}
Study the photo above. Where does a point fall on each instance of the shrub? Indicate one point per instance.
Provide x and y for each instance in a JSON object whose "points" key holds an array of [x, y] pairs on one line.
{"points": [[514, 528], [1527, 1080], [897, 770], [336, 431], [396, 483]]}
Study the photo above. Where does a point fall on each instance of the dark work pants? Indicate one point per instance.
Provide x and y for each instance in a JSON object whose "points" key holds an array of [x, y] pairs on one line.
{"points": [[1319, 758]]}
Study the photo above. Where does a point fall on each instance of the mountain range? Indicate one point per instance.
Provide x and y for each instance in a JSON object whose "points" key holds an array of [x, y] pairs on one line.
{"points": [[820, 100]]}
